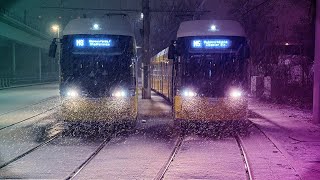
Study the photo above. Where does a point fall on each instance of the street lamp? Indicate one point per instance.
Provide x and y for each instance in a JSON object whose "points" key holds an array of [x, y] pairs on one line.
{"points": [[56, 28]]}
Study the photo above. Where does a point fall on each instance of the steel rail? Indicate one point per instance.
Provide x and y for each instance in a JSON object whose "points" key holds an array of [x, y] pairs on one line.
{"points": [[29, 151], [28, 106], [244, 157], [87, 161], [29, 118], [166, 166]]}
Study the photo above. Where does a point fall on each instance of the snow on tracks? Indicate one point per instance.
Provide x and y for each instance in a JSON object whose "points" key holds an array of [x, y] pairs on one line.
{"points": [[43, 108], [205, 158]]}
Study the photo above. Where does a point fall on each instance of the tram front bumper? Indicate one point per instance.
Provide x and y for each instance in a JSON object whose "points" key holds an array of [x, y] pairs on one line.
{"points": [[105, 109], [210, 109]]}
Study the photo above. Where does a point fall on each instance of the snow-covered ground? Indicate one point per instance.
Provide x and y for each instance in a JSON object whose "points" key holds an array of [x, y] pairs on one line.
{"points": [[16, 116], [139, 156], [18, 139], [203, 158], [293, 133], [283, 145], [266, 161], [14, 98], [53, 161]]}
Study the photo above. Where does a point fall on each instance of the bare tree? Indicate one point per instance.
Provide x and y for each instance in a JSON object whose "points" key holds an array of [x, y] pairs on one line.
{"points": [[164, 25], [258, 19], [272, 27]]}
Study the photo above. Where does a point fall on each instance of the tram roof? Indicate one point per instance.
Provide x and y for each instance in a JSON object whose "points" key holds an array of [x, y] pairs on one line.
{"points": [[210, 28], [110, 25]]}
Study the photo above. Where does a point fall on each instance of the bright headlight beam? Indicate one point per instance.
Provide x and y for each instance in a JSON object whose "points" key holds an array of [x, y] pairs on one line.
{"points": [[119, 93], [236, 93], [72, 93], [189, 93]]}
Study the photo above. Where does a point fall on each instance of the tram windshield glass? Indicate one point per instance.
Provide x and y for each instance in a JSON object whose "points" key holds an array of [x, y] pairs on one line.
{"points": [[97, 64], [215, 69]]}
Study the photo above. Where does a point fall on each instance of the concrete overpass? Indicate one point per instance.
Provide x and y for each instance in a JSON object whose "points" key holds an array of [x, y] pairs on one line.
{"points": [[24, 53]]}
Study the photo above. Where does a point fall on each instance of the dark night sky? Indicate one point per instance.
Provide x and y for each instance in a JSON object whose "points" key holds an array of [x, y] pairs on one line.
{"points": [[44, 17]]}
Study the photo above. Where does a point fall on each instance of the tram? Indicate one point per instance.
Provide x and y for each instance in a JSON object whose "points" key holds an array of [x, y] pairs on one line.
{"points": [[98, 70], [203, 72]]}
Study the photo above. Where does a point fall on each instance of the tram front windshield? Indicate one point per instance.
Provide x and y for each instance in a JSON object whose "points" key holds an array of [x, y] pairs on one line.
{"points": [[213, 74], [97, 63]]}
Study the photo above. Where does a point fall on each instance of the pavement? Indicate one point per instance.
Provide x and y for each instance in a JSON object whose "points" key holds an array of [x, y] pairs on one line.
{"points": [[154, 111], [293, 134]]}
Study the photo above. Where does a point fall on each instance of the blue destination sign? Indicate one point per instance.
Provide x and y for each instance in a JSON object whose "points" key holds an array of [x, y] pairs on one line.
{"points": [[211, 43], [93, 42]]}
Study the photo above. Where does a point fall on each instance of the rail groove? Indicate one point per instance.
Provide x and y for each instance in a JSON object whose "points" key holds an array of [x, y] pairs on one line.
{"points": [[87, 161], [245, 158], [33, 104], [29, 151], [166, 166], [29, 118]]}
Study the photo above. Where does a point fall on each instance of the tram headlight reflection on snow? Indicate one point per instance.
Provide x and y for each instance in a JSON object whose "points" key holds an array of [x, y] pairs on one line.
{"points": [[119, 93]]}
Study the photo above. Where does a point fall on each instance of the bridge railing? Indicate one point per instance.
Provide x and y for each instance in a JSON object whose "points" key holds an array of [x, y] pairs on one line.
{"points": [[21, 81]]}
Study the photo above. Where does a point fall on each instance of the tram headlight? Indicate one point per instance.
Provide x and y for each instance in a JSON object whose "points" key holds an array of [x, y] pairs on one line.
{"points": [[189, 93], [236, 93], [119, 93], [72, 93]]}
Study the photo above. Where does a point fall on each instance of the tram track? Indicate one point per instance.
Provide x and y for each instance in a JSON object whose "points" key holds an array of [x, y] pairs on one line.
{"points": [[87, 161], [244, 157], [29, 105], [29, 118], [166, 166], [36, 147], [29, 151], [92, 156], [160, 175]]}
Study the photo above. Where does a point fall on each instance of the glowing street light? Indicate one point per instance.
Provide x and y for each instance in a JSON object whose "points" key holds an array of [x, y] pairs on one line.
{"points": [[56, 28], [141, 16]]}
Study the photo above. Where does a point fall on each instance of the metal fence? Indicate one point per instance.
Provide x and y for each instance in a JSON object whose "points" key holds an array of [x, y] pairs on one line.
{"points": [[14, 82]]}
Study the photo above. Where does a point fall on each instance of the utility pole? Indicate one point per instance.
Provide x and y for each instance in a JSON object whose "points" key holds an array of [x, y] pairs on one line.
{"points": [[146, 89], [316, 84]]}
